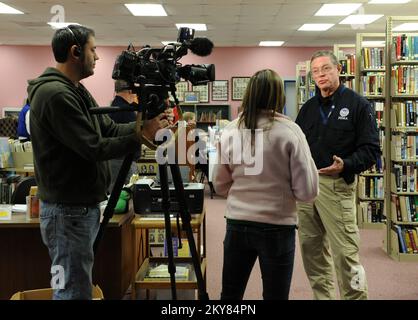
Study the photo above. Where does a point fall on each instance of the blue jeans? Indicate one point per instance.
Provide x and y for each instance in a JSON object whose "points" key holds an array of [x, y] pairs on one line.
{"points": [[69, 233], [275, 248]]}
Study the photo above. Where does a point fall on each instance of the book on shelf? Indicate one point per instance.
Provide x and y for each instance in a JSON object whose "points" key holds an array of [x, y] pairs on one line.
{"points": [[160, 272], [404, 208], [372, 84], [183, 251], [373, 58], [405, 113], [6, 160], [348, 63], [371, 211], [404, 79], [404, 47]]}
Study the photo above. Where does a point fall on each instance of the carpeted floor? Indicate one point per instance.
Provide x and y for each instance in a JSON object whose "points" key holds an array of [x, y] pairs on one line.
{"points": [[387, 279]]}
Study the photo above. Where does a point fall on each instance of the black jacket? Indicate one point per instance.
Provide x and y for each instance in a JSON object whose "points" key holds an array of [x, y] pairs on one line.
{"points": [[70, 146], [123, 116], [350, 132]]}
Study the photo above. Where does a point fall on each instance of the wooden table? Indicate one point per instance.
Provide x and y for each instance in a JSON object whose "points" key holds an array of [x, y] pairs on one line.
{"points": [[25, 263]]}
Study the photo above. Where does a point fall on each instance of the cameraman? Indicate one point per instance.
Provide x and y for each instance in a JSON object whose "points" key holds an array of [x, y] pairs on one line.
{"points": [[71, 148]]}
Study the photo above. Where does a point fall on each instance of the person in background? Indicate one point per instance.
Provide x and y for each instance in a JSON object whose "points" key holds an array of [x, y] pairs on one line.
{"points": [[71, 149], [261, 213], [341, 131], [124, 97], [23, 129]]}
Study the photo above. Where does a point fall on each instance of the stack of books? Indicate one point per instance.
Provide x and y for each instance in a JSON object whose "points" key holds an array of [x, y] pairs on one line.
{"points": [[160, 272]]}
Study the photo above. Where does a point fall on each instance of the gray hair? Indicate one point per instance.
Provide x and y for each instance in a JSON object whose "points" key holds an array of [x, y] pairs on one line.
{"points": [[325, 53]]}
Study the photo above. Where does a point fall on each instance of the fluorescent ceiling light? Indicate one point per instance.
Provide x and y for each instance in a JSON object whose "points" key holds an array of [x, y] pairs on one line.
{"points": [[59, 25], [356, 19], [410, 26], [271, 43], [316, 26], [146, 10], [373, 43], [337, 9], [196, 26], [4, 8], [388, 1]]}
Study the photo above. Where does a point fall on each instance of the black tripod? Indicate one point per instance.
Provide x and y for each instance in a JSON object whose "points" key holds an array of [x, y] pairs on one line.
{"points": [[165, 191]]}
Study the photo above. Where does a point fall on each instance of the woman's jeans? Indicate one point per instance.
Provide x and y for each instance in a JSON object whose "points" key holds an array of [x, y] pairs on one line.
{"points": [[69, 233], [275, 248]]}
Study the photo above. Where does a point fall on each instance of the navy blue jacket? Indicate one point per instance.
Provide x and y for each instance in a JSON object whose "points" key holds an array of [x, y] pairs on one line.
{"points": [[350, 131]]}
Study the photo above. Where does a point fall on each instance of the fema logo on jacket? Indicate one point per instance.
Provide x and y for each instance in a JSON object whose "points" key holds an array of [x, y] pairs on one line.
{"points": [[344, 114]]}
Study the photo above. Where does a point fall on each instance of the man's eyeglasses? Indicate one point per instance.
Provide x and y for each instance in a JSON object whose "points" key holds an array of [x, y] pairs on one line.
{"points": [[324, 69]]}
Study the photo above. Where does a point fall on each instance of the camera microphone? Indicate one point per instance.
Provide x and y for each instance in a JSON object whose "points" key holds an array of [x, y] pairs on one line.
{"points": [[201, 46]]}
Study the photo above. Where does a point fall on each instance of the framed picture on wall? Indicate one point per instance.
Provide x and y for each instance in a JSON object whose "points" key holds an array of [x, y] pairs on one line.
{"points": [[191, 97], [11, 112], [220, 90], [181, 88], [239, 84], [203, 91]]}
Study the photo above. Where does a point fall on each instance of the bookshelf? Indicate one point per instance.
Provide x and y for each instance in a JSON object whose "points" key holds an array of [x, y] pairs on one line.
{"points": [[145, 260], [207, 114], [370, 83], [346, 56], [301, 83], [401, 146]]}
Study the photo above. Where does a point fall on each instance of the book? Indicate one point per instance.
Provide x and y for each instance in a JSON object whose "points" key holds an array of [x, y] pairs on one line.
{"points": [[160, 272]]}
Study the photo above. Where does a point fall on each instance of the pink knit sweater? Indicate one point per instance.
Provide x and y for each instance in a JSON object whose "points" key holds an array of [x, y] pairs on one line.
{"points": [[287, 173]]}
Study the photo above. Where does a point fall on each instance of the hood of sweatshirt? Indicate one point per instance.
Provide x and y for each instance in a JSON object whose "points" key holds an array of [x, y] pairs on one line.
{"points": [[49, 75]]}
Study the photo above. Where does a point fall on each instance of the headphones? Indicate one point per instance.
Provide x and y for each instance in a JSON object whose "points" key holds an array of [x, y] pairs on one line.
{"points": [[77, 50]]}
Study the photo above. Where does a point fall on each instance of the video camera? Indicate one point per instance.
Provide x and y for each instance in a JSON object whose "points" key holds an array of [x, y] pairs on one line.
{"points": [[152, 73]]}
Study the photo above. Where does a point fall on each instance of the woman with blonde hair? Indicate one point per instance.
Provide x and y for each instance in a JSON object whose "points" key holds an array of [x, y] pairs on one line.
{"points": [[261, 206]]}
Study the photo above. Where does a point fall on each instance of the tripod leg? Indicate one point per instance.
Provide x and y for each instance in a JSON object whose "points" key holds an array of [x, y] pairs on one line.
{"points": [[114, 197], [165, 191], [186, 218]]}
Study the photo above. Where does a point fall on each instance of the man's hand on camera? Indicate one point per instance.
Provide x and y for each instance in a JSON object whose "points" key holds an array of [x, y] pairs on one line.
{"points": [[169, 113], [151, 126]]}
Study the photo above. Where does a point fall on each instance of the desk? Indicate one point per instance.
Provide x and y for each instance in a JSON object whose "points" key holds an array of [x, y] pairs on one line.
{"points": [[25, 263], [141, 225], [23, 170]]}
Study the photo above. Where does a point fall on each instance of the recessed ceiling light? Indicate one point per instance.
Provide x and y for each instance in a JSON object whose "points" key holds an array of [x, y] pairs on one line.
{"points": [[59, 25], [271, 43], [146, 10], [337, 9], [316, 26], [373, 43], [388, 1], [4, 8], [410, 26], [196, 26], [361, 19]]}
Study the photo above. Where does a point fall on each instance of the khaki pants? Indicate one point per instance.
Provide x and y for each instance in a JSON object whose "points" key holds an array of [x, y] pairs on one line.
{"points": [[329, 236]]}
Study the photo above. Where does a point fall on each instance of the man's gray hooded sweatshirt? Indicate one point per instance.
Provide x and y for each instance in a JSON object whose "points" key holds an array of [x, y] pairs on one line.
{"points": [[70, 146]]}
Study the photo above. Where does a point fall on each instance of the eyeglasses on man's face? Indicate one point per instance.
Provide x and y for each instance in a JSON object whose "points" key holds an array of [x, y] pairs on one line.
{"points": [[323, 70]]}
